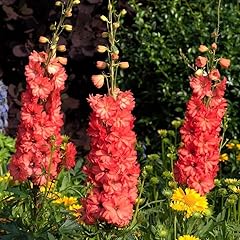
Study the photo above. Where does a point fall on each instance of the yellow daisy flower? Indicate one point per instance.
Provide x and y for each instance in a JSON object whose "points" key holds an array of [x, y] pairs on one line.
{"points": [[189, 201], [230, 145], [238, 146], [188, 237], [235, 189], [231, 181], [224, 157]]}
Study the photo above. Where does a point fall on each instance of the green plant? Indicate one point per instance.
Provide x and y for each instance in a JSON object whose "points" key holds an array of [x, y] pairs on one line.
{"points": [[7, 147]]}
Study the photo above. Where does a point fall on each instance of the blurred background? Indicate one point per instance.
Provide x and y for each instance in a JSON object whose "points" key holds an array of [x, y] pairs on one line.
{"points": [[151, 38]]}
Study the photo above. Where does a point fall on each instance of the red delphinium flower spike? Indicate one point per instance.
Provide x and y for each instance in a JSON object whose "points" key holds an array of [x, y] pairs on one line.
{"points": [[197, 165], [39, 156], [111, 166]]}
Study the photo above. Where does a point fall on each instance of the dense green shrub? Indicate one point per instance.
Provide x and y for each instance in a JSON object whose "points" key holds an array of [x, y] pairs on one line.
{"points": [[158, 75]]}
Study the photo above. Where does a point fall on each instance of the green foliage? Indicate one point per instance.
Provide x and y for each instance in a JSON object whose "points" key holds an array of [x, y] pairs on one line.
{"points": [[7, 147], [158, 74]]}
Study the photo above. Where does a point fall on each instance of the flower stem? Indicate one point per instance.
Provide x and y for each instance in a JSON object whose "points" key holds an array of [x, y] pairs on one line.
{"points": [[138, 203]]}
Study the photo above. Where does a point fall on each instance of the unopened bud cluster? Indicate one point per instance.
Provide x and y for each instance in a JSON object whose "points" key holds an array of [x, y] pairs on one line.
{"points": [[111, 50]]}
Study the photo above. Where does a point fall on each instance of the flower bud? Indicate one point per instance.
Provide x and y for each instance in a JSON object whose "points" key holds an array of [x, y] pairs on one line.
{"points": [[43, 39], [58, 3], [154, 180], [68, 14], [68, 27], [201, 61], [115, 56], [123, 12], [149, 168], [167, 175], [101, 49], [62, 60], [208, 212], [224, 63], [98, 80], [140, 201], [116, 25], [214, 75], [162, 233], [214, 46], [75, 2], [167, 193], [162, 132], [222, 191], [101, 65], [104, 18], [124, 65], [172, 184], [52, 27], [61, 48], [198, 73], [105, 34], [176, 123], [231, 200], [217, 182], [203, 48]]}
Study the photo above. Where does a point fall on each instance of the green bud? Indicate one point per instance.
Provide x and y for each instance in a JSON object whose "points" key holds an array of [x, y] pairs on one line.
{"points": [[166, 140], [104, 18], [149, 168], [153, 157], [231, 200], [172, 184], [208, 212], [176, 123], [222, 191], [162, 233], [58, 3], [154, 180], [171, 133], [162, 132], [217, 182], [123, 12], [144, 173], [52, 27], [167, 193], [167, 175]]}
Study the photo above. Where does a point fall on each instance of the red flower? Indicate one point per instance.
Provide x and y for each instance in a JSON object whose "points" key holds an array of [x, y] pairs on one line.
{"points": [[111, 164], [197, 164], [117, 210], [201, 86], [40, 124]]}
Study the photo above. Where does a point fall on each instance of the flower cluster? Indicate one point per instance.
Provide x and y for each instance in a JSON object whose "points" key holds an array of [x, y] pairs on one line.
{"points": [[188, 201], [3, 107], [199, 155], [40, 149], [111, 166]]}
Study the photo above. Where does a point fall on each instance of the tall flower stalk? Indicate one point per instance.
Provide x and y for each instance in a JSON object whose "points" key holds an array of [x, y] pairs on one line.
{"points": [[199, 154], [41, 151], [111, 167]]}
